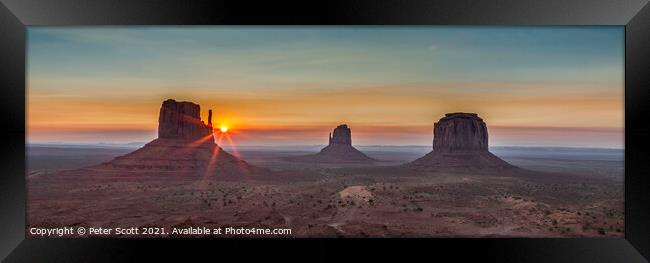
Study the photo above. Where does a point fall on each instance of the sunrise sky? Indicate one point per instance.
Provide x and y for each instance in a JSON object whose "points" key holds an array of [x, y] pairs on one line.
{"points": [[534, 86]]}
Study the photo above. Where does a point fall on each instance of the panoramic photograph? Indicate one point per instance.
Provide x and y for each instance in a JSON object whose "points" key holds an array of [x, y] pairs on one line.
{"points": [[304, 131]]}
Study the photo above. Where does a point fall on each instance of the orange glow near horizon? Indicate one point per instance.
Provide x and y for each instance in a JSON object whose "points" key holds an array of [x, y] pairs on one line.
{"points": [[364, 108], [573, 114]]}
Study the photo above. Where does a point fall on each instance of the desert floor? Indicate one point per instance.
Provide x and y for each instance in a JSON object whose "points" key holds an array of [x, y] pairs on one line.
{"points": [[549, 199]]}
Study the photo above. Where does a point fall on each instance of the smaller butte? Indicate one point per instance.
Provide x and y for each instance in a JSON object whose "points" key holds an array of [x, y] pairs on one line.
{"points": [[339, 150]]}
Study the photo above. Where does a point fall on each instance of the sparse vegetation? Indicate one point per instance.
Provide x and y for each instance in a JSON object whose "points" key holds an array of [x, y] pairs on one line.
{"points": [[315, 203]]}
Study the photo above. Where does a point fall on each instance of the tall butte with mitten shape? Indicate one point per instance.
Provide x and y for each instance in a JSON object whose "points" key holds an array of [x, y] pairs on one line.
{"points": [[185, 144], [460, 142], [339, 150]]}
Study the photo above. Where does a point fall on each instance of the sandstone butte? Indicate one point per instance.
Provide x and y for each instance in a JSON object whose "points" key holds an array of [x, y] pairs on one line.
{"points": [[184, 144], [338, 150], [460, 142]]}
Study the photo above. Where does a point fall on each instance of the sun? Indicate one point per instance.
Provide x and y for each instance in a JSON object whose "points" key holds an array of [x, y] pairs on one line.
{"points": [[223, 128]]}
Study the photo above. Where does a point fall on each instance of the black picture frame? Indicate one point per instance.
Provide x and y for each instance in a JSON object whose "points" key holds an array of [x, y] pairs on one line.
{"points": [[15, 15]]}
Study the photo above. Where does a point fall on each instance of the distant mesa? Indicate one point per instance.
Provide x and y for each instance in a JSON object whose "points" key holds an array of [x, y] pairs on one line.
{"points": [[339, 150], [184, 144], [460, 142]]}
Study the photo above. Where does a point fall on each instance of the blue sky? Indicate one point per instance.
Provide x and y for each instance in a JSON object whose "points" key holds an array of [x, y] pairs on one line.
{"points": [[418, 54]]}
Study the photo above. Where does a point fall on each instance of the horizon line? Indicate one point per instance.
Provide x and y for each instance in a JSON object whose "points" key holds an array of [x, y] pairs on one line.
{"points": [[139, 144]]}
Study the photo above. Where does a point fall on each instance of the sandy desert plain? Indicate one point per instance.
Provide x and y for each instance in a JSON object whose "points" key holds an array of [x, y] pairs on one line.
{"points": [[563, 192]]}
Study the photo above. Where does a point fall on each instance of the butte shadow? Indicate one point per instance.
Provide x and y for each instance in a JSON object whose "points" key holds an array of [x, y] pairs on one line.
{"points": [[339, 150]]}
